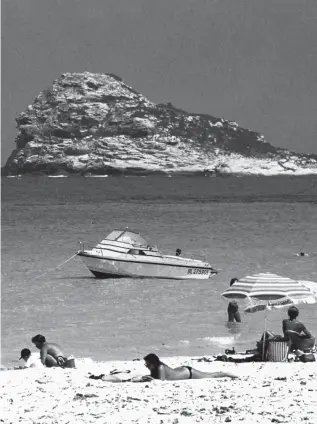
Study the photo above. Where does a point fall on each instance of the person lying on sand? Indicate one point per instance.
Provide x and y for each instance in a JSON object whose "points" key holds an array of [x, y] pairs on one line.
{"points": [[51, 353], [161, 371]]}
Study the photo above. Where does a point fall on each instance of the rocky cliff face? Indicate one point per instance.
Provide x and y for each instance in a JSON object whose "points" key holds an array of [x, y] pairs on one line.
{"points": [[95, 124]]}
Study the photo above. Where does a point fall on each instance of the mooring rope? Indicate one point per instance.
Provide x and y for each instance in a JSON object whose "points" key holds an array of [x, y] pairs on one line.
{"points": [[52, 269]]}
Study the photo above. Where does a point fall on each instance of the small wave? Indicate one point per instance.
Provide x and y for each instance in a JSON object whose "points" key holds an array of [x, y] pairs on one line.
{"points": [[96, 176], [184, 342], [57, 176], [222, 341]]}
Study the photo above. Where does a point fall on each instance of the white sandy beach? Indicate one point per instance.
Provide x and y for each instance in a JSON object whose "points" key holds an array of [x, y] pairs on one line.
{"points": [[264, 393]]}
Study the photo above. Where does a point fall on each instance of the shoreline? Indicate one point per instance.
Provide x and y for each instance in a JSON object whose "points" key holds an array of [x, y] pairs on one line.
{"points": [[157, 173], [264, 393]]}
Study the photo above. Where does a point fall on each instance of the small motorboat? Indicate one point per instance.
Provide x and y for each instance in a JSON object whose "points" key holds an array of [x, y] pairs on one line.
{"points": [[125, 253]]}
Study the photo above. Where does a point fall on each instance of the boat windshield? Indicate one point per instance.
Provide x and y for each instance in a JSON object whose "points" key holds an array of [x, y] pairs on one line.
{"points": [[126, 236]]}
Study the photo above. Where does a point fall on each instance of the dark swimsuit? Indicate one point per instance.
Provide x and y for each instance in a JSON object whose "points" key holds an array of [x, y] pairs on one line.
{"points": [[65, 362], [154, 373], [61, 361], [190, 371], [233, 312]]}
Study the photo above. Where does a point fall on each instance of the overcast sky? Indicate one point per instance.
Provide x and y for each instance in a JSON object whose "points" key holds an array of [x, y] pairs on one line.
{"points": [[252, 61]]}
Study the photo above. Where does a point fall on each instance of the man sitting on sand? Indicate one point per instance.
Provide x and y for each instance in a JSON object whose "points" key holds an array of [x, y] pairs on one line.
{"points": [[296, 331], [31, 360], [51, 353]]}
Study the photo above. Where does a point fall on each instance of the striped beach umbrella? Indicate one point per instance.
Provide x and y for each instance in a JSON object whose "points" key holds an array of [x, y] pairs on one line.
{"points": [[261, 305], [309, 284], [269, 287]]}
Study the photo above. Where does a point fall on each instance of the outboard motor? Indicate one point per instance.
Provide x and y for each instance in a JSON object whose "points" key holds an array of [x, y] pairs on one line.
{"points": [[178, 252]]}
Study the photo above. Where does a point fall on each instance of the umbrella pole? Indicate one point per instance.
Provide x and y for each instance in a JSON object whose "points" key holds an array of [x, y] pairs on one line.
{"points": [[264, 337]]}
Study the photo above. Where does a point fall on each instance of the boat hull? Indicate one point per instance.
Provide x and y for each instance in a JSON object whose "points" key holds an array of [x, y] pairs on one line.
{"points": [[121, 268]]}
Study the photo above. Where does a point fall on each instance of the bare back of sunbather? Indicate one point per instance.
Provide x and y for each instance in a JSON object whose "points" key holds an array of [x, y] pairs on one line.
{"points": [[295, 329], [188, 373]]}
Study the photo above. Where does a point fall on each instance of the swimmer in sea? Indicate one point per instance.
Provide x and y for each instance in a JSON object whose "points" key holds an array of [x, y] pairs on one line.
{"points": [[161, 371], [301, 254]]}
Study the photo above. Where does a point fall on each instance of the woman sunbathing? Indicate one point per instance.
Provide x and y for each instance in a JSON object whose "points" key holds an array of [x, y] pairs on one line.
{"points": [[161, 371]]}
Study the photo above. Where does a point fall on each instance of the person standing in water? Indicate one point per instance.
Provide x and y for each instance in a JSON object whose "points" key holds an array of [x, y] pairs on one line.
{"points": [[233, 307]]}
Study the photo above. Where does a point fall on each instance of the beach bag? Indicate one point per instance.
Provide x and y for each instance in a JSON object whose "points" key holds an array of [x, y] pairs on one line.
{"points": [[277, 351], [307, 357]]}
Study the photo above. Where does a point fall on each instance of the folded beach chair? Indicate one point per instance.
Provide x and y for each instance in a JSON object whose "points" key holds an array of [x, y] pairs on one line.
{"points": [[277, 351]]}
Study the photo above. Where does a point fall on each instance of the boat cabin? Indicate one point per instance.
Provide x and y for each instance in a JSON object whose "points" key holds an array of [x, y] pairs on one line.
{"points": [[126, 241], [127, 236]]}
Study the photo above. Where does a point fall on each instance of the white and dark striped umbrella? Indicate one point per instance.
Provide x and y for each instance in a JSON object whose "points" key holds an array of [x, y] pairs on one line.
{"points": [[267, 286], [309, 284], [261, 305]]}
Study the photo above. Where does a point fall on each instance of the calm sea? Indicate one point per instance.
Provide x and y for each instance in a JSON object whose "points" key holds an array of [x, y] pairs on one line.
{"points": [[240, 225]]}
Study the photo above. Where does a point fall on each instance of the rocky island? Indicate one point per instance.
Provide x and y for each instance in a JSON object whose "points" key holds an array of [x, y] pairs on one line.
{"points": [[95, 124]]}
